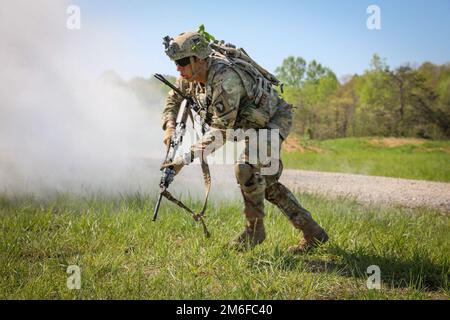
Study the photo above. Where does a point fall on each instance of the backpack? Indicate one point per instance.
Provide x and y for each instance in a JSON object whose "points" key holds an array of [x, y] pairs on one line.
{"points": [[240, 61]]}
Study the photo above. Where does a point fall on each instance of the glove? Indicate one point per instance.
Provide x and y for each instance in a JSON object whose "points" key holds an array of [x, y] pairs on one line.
{"points": [[177, 165], [168, 133]]}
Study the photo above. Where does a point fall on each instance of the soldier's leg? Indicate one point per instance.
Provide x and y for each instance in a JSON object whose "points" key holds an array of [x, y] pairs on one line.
{"points": [[252, 186], [284, 199]]}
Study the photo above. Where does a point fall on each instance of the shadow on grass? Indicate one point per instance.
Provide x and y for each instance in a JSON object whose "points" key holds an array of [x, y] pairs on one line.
{"points": [[418, 273], [284, 261]]}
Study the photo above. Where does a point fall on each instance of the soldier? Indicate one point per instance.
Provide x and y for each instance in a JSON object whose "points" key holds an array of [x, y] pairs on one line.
{"points": [[237, 96]]}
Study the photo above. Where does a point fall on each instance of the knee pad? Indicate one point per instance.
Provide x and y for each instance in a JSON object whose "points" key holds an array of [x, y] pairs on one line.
{"points": [[249, 179], [244, 173]]}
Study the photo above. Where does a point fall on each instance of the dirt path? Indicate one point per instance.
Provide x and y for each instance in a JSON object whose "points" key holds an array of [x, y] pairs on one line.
{"points": [[405, 192], [362, 188]]}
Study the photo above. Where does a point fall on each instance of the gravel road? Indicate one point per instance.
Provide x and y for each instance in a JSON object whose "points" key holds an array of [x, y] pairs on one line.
{"points": [[362, 188], [405, 192]]}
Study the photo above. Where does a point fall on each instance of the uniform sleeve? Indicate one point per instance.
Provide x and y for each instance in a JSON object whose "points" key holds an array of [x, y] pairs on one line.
{"points": [[227, 92], [173, 102]]}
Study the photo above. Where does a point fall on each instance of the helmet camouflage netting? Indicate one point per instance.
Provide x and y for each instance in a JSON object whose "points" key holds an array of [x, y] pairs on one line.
{"points": [[187, 44]]}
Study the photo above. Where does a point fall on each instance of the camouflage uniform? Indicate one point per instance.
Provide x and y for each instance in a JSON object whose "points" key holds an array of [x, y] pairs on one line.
{"points": [[226, 94]]}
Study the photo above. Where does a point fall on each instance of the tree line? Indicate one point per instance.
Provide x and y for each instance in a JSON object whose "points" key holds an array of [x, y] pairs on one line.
{"points": [[403, 102]]}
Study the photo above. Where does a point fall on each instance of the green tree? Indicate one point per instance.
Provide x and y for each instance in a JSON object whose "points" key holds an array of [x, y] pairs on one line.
{"points": [[404, 101], [315, 71], [375, 114], [343, 105], [292, 71]]}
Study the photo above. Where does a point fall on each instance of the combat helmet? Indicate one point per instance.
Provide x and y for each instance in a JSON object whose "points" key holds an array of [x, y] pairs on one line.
{"points": [[187, 44]]}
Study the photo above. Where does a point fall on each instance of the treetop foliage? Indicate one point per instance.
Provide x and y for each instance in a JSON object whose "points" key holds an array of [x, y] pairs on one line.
{"points": [[405, 101]]}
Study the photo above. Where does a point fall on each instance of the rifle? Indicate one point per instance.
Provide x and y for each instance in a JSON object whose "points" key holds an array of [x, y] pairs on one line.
{"points": [[175, 142], [195, 106], [172, 148]]}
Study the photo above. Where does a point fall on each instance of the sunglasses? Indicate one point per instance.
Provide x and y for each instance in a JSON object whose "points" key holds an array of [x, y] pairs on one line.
{"points": [[183, 62]]}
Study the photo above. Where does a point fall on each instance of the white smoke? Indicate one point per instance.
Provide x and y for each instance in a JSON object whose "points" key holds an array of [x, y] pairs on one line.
{"points": [[62, 130]]}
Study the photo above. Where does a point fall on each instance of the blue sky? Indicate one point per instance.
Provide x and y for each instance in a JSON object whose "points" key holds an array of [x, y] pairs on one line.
{"points": [[332, 32]]}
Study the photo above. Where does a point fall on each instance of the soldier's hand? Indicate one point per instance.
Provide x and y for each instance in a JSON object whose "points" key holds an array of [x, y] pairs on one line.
{"points": [[168, 133], [177, 165]]}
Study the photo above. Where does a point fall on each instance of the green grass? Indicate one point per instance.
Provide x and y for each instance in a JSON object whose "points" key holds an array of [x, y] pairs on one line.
{"points": [[427, 161], [124, 255]]}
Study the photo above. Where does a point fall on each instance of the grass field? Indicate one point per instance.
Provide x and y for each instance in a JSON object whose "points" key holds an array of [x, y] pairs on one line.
{"points": [[124, 255], [390, 157]]}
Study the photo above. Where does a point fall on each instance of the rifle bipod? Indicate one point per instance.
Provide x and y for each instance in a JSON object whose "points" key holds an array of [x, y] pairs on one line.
{"points": [[198, 217]]}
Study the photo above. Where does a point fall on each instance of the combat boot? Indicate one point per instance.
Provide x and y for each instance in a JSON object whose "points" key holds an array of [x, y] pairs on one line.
{"points": [[301, 218], [313, 236], [253, 235]]}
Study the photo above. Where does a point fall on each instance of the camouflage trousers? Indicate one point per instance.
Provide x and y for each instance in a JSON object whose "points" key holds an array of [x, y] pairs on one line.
{"points": [[257, 187]]}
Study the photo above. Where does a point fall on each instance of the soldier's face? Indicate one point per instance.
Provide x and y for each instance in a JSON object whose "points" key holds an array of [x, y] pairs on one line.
{"points": [[185, 72], [195, 71]]}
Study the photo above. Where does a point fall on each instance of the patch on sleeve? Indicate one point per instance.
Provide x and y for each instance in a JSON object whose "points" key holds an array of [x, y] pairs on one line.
{"points": [[226, 96], [219, 107]]}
